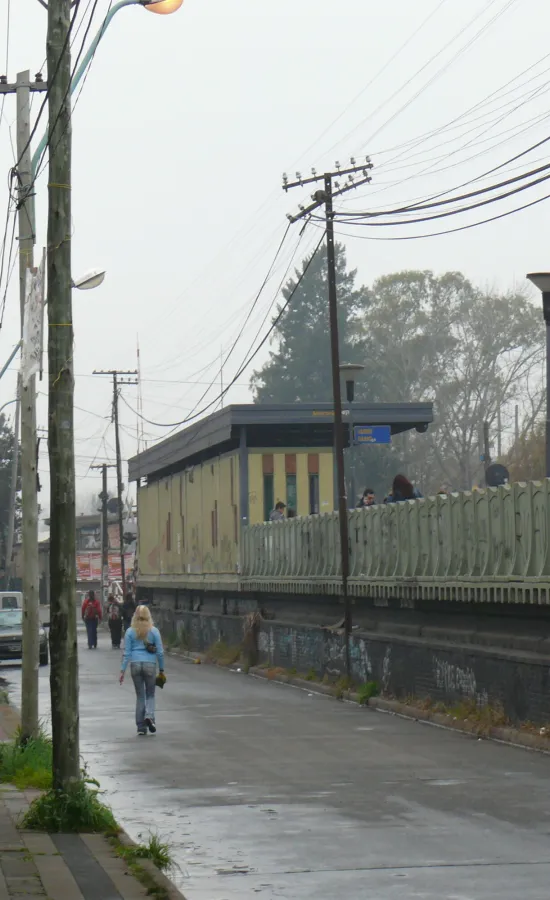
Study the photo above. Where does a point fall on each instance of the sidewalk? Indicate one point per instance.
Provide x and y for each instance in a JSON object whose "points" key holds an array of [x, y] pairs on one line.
{"points": [[62, 866]]}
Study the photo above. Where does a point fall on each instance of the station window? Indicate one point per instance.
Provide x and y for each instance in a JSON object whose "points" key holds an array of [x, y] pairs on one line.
{"points": [[291, 492], [169, 532], [313, 495], [313, 478]]}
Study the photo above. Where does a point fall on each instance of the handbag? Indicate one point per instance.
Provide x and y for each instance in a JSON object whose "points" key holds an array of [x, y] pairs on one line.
{"points": [[150, 646]]}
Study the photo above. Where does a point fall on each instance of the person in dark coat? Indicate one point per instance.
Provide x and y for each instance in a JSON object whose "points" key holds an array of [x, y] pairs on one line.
{"points": [[91, 615], [114, 614], [128, 610], [402, 489]]}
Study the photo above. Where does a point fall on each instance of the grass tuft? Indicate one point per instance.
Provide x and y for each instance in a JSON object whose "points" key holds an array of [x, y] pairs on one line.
{"points": [[155, 849], [74, 810], [366, 691], [223, 654], [28, 765]]}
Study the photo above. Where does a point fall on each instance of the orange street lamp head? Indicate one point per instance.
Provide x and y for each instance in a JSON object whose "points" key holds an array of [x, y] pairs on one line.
{"points": [[164, 7]]}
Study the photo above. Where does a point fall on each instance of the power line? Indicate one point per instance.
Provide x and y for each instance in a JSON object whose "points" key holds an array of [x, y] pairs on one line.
{"points": [[51, 129], [50, 81], [8, 25], [245, 363], [455, 199], [440, 71], [413, 237], [369, 84]]}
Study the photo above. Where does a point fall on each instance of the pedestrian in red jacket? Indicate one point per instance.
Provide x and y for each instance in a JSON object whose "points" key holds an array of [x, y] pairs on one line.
{"points": [[91, 615]]}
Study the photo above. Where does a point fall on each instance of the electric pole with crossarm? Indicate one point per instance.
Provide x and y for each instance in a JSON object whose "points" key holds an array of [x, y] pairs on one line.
{"points": [[324, 197], [115, 373]]}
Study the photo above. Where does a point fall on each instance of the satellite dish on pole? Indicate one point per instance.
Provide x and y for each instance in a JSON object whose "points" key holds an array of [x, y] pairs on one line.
{"points": [[496, 475], [113, 505]]}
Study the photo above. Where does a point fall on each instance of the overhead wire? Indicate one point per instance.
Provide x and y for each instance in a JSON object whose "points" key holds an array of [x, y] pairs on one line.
{"points": [[52, 128], [51, 80], [433, 202], [447, 231], [246, 362], [440, 71], [249, 314], [7, 65]]}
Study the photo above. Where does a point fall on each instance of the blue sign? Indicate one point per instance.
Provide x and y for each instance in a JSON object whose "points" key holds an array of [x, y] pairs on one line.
{"points": [[372, 434]]}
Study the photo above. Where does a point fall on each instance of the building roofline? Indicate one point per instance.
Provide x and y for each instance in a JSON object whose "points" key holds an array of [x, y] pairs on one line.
{"points": [[221, 428]]}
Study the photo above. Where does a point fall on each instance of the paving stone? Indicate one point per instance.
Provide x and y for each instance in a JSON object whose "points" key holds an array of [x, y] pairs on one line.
{"points": [[56, 879], [17, 865], [21, 887]]}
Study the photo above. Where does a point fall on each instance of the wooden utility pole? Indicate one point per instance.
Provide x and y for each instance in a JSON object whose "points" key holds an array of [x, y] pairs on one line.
{"points": [[104, 496], [116, 393], [27, 398], [63, 644], [325, 198], [26, 403]]}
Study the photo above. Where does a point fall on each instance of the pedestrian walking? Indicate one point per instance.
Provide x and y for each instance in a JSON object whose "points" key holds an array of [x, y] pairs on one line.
{"points": [[91, 615], [114, 614], [144, 651], [128, 610]]}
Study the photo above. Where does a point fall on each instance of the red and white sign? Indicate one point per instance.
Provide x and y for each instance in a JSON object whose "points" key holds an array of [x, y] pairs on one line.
{"points": [[88, 566]]}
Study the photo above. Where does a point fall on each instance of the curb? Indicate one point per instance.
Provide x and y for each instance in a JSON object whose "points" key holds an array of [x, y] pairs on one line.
{"points": [[513, 737], [159, 877]]}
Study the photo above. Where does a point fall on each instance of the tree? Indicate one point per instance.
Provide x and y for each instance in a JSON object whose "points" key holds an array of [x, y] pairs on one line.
{"points": [[299, 368], [526, 459], [6, 457], [472, 353]]}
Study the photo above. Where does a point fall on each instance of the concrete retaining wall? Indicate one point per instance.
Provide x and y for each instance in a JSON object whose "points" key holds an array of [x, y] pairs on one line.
{"points": [[402, 666]]}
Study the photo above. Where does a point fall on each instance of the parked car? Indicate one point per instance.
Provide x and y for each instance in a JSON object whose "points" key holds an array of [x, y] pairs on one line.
{"points": [[11, 637]]}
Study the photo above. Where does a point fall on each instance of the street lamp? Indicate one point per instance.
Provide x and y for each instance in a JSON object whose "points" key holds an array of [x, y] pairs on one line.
{"points": [[90, 280], [162, 7], [349, 373], [541, 280]]}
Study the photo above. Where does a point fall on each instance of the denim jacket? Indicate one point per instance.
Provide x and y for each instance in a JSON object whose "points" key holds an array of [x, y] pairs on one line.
{"points": [[134, 649]]}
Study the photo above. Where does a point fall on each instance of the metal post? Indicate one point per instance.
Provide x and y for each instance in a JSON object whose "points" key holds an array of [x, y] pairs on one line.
{"points": [[338, 422], [104, 535], [486, 451], [547, 393], [350, 389], [29, 691], [119, 487], [104, 496]]}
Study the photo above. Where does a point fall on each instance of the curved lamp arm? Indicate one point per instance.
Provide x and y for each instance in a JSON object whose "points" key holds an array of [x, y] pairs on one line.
{"points": [[77, 77]]}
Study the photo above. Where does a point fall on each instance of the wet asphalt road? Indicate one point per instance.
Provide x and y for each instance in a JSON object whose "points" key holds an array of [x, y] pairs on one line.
{"points": [[266, 792]]}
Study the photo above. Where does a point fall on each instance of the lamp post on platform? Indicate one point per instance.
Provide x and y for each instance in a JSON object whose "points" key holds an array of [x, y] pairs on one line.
{"points": [[349, 373], [541, 280]]}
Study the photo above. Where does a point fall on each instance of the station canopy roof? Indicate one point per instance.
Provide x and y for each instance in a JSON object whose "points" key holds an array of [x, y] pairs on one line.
{"points": [[269, 425]]}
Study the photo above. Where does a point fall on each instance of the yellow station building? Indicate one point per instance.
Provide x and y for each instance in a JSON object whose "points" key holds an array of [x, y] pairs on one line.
{"points": [[200, 487]]}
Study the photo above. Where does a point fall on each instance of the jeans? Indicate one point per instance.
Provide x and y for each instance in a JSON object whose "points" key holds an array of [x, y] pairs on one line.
{"points": [[91, 628], [115, 627], [144, 678]]}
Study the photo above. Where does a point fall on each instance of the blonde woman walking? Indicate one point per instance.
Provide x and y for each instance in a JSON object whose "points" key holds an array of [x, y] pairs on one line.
{"points": [[144, 651]]}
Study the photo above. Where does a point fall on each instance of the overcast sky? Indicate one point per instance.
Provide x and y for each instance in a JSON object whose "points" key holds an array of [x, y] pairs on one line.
{"points": [[182, 132]]}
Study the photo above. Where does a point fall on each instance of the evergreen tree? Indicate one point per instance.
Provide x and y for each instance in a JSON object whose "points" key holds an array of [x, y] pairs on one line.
{"points": [[299, 368]]}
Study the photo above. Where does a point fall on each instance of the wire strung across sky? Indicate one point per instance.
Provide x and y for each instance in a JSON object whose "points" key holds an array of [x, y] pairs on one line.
{"points": [[251, 354]]}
